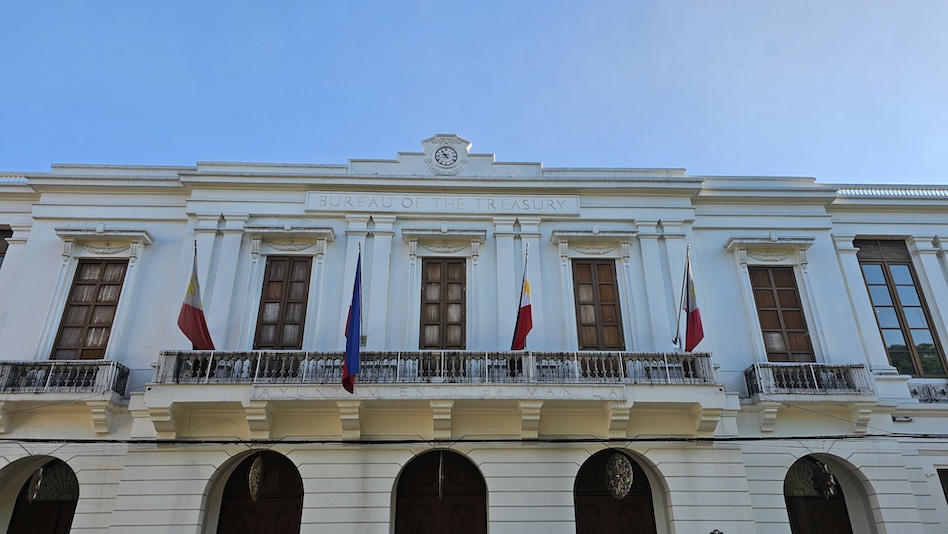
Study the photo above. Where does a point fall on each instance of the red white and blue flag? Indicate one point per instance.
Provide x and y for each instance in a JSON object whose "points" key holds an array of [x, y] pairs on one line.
{"points": [[350, 366], [524, 313], [191, 317]]}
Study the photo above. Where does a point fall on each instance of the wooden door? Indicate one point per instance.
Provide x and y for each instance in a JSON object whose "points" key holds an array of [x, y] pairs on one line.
{"points": [[53, 505], [598, 512], [279, 505], [441, 492]]}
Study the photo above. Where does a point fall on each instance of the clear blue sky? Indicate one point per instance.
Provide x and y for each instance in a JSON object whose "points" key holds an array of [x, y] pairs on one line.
{"points": [[843, 90]]}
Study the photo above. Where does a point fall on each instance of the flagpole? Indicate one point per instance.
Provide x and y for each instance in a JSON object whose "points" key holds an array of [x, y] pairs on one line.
{"points": [[363, 337], [681, 301], [526, 259]]}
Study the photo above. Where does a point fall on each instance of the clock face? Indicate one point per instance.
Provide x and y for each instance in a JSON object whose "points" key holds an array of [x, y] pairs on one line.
{"points": [[445, 156]]}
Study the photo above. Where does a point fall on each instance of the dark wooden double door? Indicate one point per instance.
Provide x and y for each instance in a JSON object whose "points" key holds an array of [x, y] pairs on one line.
{"points": [[441, 492], [278, 508], [598, 512], [818, 515]]}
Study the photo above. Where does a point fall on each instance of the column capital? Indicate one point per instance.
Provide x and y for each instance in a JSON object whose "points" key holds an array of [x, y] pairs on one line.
{"points": [[647, 228]]}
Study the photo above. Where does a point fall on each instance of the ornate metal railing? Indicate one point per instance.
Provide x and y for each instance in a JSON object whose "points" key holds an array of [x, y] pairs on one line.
{"points": [[93, 376], [227, 367], [807, 378]]}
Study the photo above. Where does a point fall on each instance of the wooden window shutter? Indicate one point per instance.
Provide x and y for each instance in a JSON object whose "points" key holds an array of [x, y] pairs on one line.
{"points": [[283, 299], [90, 308], [780, 312], [598, 314], [443, 303]]}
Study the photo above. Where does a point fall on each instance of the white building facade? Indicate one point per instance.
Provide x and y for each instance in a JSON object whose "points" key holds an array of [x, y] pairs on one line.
{"points": [[816, 401]]}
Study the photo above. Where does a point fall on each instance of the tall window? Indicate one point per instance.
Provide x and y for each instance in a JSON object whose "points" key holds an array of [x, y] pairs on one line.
{"points": [[90, 309], [900, 308], [5, 232], [443, 303], [283, 303], [943, 477], [780, 312], [598, 318]]}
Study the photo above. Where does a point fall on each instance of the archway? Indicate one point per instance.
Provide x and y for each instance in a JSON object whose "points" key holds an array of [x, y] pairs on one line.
{"points": [[599, 512], [815, 500], [47, 501], [440, 492], [277, 506]]}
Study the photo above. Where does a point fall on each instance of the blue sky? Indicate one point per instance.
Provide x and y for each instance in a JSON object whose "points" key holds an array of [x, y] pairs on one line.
{"points": [[843, 90]]}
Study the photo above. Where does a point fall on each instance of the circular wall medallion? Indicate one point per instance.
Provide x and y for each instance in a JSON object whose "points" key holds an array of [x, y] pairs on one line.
{"points": [[445, 156]]}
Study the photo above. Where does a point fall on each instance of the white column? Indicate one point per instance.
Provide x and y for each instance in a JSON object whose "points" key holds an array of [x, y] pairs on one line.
{"points": [[248, 325], [205, 233], [530, 238], [355, 235], [507, 291], [219, 320], [931, 277], [634, 339], [376, 307], [414, 298], [871, 340], [676, 249], [475, 340], [9, 271], [566, 293], [655, 287], [315, 300]]}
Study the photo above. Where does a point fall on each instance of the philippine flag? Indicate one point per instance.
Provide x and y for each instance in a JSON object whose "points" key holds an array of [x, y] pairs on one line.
{"points": [[524, 314], [191, 317], [694, 331]]}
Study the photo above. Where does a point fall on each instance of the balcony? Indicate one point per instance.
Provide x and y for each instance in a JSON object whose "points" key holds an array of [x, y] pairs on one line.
{"points": [[93, 387], [807, 379], [437, 394], [79, 376], [434, 367]]}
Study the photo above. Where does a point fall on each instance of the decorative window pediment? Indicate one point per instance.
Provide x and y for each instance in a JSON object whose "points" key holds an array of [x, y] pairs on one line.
{"points": [[101, 240], [444, 240], [770, 248], [289, 238], [594, 242]]}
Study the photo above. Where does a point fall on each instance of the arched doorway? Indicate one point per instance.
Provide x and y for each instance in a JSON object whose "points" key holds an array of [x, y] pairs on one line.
{"points": [[278, 506], [47, 500], [815, 501], [598, 512], [440, 492]]}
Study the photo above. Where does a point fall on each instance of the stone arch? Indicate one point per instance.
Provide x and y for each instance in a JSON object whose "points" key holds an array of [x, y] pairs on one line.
{"points": [[230, 507], [440, 491], [40, 495], [815, 505], [598, 512]]}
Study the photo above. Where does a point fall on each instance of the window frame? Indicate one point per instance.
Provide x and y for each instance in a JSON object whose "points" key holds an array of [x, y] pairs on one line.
{"points": [[88, 323], [103, 242], [898, 307], [443, 302], [778, 251], [284, 301], [5, 233], [599, 323], [782, 312]]}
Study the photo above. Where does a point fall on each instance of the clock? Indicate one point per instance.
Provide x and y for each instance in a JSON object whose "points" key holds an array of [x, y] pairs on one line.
{"points": [[445, 156]]}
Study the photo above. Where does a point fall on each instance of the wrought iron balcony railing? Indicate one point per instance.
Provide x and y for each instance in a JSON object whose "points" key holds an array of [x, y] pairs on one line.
{"points": [[91, 376], [807, 378], [288, 367]]}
